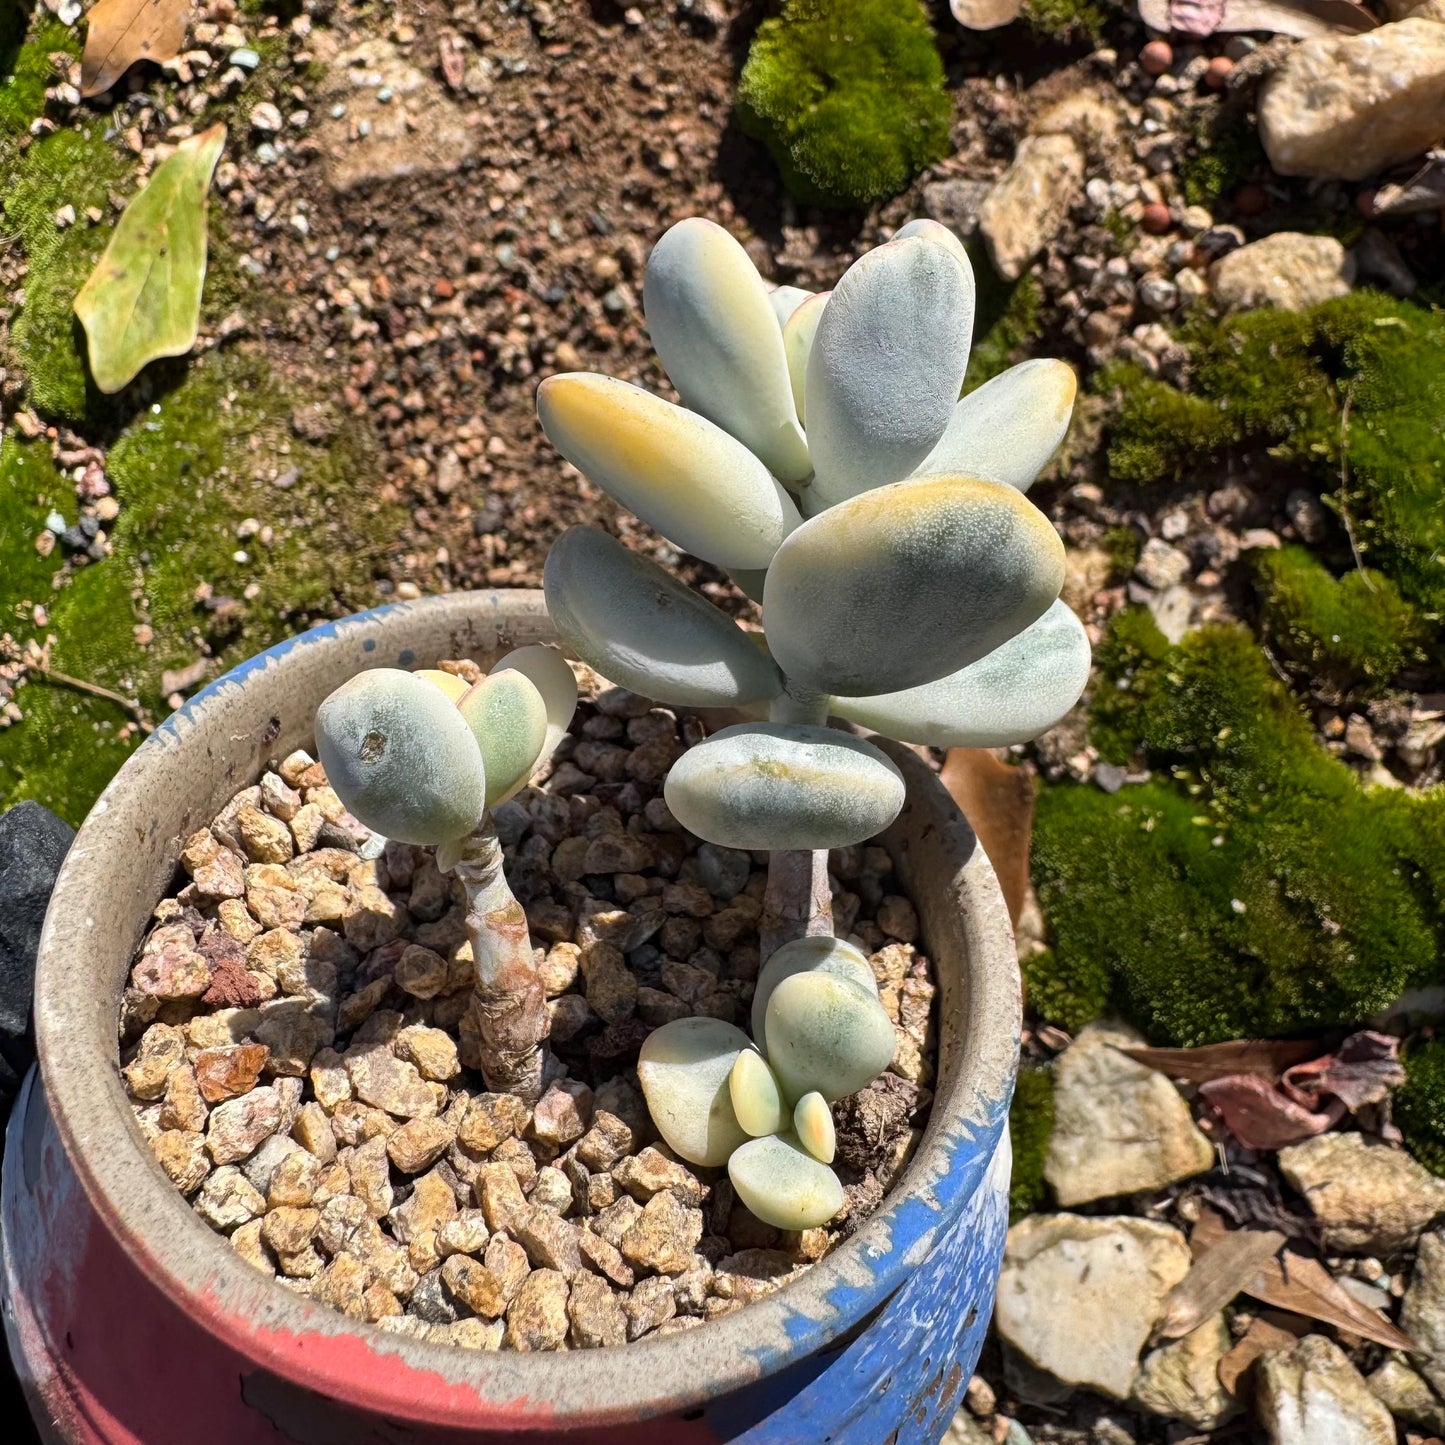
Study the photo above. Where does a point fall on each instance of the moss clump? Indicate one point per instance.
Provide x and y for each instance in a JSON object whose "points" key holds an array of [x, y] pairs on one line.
{"points": [[25, 68], [187, 471], [1008, 323], [1354, 386], [1224, 152], [1253, 889], [1066, 19], [848, 95], [1030, 1122], [1419, 1105], [1350, 635], [1123, 546]]}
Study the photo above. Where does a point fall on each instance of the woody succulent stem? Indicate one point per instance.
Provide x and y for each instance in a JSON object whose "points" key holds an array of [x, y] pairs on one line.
{"points": [[509, 1006]]}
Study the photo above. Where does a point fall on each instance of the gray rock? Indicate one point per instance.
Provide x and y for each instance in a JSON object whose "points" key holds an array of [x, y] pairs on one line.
{"points": [[1313, 1395], [1078, 1296], [1030, 202], [955, 202], [1289, 270], [1118, 1127]]}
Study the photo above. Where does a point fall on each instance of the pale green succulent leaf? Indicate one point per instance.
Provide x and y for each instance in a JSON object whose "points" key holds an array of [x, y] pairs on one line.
{"points": [[803, 955], [554, 679], [905, 584], [454, 687], [798, 333], [813, 1124], [886, 366], [940, 235], [756, 1095], [143, 300], [640, 627], [785, 300], [718, 338], [508, 718], [1010, 695], [401, 758], [1008, 428], [828, 1034], [784, 785], [685, 1068], [684, 476], [783, 1184]]}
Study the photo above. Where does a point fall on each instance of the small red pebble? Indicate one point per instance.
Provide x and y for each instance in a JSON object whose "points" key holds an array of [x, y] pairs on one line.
{"points": [[1156, 219], [1157, 57], [1217, 76], [1365, 203], [1251, 200], [444, 289]]}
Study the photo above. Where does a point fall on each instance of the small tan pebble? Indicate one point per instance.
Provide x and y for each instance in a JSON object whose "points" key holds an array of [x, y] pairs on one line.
{"points": [[664, 1237], [293, 767], [480, 1289], [222, 876], [608, 1140], [898, 918], [312, 1131], [552, 1191], [221, 1029], [387, 1082], [306, 825], [342, 1284], [387, 1261], [229, 1071], [343, 1220], [605, 1259], [490, 1120], [560, 968], [551, 1242], [265, 839], [595, 1314], [182, 1155], [419, 1143], [562, 1114], [687, 982], [356, 1008], [537, 1317], [247, 1242], [278, 797], [602, 1191], [614, 1220], [421, 972], [693, 1287], [806, 1245], [422, 1253], [979, 1397], [752, 1273], [171, 967], [569, 859], [656, 1008], [499, 1195], [430, 1206], [617, 853], [716, 1307], [354, 1123], [570, 1014], [276, 951], [183, 1106], [551, 922], [324, 796], [378, 1302], [199, 849], [650, 1304], [137, 1011], [646, 1174], [228, 1200], [335, 1181], [431, 1050], [289, 1230], [303, 1264], [370, 1171], [727, 928], [474, 1334], [294, 1181], [520, 1159], [329, 1080], [373, 919], [272, 896], [293, 1030], [238, 1126], [610, 986], [466, 1234]]}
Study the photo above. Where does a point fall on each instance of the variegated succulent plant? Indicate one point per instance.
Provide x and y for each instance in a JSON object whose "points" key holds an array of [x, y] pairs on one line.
{"points": [[423, 757], [822, 455]]}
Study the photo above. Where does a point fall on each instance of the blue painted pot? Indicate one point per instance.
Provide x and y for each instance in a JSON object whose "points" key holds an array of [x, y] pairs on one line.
{"points": [[135, 1323]]}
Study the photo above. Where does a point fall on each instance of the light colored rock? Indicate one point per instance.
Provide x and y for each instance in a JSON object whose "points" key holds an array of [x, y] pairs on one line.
{"points": [[1408, 1397], [1078, 1296], [1118, 1126], [1313, 1395], [1344, 107], [1288, 269], [1030, 202], [1180, 1380], [1423, 1314], [1371, 1198]]}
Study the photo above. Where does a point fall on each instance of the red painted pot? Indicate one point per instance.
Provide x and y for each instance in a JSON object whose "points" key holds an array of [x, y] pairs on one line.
{"points": [[133, 1322]]}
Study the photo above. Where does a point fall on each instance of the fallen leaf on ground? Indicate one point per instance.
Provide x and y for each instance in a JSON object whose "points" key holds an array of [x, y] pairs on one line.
{"points": [[118, 33], [1250, 1199], [997, 798], [1217, 1275], [1302, 1285], [1424, 191], [1361, 1071], [1268, 1058], [1263, 1337], [985, 14], [1261, 1117], [143, 300], [1302, 19]]}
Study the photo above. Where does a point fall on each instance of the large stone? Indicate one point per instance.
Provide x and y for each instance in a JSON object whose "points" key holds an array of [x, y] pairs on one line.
{"points": [[33, 844], [1313, 1395], [1030, 201], [1423, 1314], [1407, 1397], [1078, 1296], [1118, 1127], [1180, 1380], [1288, 269], [1347, 106], [1371, 1198]]}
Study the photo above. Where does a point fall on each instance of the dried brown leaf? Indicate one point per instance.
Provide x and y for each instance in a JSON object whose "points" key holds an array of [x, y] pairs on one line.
{"points": [[121, 32], [1263, 1337], [1218, 1274], [1361, 1071], [1268, 1058], [997, 798], [1261, 1116], [1301, 1284]]}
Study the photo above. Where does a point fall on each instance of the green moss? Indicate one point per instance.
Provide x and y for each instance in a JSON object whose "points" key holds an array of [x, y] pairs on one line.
{"points": [[1252, 888], [25, 68], [187, 471], [1066, 19], [1419, 1106], [848, 95], [1355, 385], [1223, 153], [1350, 635], [1123, 544], [1030, 1122], [1008, 323]]}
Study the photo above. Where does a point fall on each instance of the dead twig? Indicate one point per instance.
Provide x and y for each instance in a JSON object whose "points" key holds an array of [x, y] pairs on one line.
{"points": [[1344, 487], [64, 679]]}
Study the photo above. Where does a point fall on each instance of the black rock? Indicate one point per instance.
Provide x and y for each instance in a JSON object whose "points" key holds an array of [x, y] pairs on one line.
{"points": [[33, 844]]}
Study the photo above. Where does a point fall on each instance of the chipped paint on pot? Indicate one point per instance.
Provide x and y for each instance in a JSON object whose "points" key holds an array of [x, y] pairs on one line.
{"points": [[137, 1323]]}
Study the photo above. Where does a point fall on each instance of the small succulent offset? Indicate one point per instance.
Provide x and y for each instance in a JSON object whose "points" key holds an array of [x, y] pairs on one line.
{"points": [[423, 757], [822, 455]]}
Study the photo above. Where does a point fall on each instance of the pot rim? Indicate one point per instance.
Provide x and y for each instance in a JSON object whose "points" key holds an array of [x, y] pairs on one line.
{"points": [[396, 1375]]}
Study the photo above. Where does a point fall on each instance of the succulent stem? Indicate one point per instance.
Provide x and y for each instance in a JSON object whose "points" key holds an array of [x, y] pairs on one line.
{"points": [[798, 902], [509, 1008]]}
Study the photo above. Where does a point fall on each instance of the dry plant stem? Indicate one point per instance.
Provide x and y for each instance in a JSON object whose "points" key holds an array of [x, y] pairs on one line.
{"points": [[798, 902], [509, 1004]]}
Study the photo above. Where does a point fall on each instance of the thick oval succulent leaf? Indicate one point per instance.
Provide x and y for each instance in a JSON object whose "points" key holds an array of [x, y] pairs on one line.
{"points": [[813, 1124], [907, 583], [401, 758], [1008, 428], [784, 785], [803, 955], [143, 300], [783, 1184], [798, 333], [940, 235], [1010, 695], [828, 1034], [554, 679], [685, 1069], [718, 338], [757, 1098], [508, 718], [886, 366], [785, 300], [640, 627], [698, 486], [455, 688]]}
